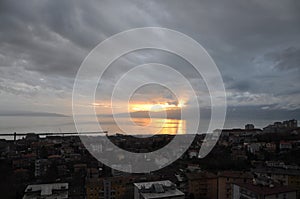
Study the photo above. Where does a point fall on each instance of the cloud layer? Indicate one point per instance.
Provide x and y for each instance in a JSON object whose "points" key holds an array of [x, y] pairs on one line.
{"points": [[256, 45]]}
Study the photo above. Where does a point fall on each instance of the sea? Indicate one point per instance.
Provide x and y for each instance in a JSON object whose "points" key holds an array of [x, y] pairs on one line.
{"points": [[134, 126]]}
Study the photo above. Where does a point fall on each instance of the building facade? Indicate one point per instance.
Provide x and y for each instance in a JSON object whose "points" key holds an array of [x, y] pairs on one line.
{"points": [[227, 178]]}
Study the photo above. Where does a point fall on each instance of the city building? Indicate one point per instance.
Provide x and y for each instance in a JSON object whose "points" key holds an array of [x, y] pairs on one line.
{"points": [[202, 185], [250, 190], [32, 137], [107, 188], [290, 124], [281, 127], [284, 145], [227, 178], [237, 132], [270, 147], [156, 190], [281, 174], [4, 147], [41, 167], [47, 191], [249, 126], [254, 147]]}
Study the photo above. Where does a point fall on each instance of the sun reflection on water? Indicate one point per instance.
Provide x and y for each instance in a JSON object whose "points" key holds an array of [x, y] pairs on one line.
{"points": [[162, 126]]}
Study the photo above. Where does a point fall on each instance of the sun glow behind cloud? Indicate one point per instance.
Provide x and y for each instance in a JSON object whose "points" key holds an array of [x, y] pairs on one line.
{"points": [[155, 107]]}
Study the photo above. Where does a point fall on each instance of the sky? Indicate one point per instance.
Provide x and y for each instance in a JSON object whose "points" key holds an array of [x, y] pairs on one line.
{"points": [[254, 43]]}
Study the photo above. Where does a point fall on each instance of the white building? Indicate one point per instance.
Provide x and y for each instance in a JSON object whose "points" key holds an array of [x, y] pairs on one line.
{"points": [[47, 191], [156, 190]]}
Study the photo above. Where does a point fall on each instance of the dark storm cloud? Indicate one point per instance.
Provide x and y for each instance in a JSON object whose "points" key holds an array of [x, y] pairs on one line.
{"points": [[261, 113], [254, 43], [28, 36], [287, 59], [244, 85], [54, 37]]}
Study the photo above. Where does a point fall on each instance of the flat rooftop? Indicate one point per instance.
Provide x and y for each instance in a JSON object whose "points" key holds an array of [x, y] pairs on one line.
{"points": [[158, 189], [55, 190], [265, 190]]}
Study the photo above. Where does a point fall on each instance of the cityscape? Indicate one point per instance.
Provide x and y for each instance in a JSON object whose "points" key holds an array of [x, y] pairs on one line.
{"points": [[256, 163]]}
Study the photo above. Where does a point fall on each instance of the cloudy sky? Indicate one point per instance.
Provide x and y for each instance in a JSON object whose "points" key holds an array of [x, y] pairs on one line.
{"points": [[255, 44]]}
